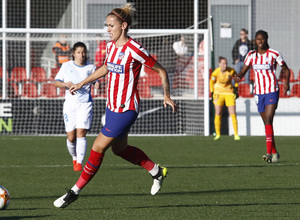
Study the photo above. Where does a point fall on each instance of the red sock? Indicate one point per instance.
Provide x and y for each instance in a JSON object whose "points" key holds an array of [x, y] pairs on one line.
{"points": [[138, 157], [274, 151], [90, 169], [270, 139]]}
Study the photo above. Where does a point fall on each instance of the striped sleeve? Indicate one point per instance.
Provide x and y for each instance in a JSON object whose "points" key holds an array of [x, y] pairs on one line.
{"points": [[279, 59], [248, 60], [140, 54]]}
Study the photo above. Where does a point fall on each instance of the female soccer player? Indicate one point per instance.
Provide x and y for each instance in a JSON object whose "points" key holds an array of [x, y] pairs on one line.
{"points": [[264, 61], [223, 92], [123, 63], [78, 108]]}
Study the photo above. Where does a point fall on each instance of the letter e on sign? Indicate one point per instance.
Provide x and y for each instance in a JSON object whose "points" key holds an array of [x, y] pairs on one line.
{"points": [[5, 110]]}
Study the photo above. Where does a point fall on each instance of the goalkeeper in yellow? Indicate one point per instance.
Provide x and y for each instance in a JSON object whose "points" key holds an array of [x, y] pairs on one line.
{"points": [[222, 90]]}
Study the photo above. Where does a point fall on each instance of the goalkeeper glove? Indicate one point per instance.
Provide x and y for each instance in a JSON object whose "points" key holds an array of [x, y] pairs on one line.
{"points": [[235, 92]]}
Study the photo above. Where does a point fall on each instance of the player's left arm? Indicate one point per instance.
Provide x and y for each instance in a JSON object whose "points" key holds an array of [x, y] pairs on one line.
{"points": [[287, 77], [285, 68], [144, 57], [166, 86]]}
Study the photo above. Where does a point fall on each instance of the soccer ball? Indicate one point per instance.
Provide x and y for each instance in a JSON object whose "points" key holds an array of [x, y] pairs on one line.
{"points": [[4, 198]]}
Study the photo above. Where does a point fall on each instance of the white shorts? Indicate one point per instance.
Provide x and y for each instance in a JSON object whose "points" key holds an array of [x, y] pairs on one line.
{"points": [[77, 115]]}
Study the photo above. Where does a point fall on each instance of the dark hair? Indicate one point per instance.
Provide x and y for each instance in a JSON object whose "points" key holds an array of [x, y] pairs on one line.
{"points": [[75, 46], [263, 33], [265, 36], [244, 30], [222, 58]]}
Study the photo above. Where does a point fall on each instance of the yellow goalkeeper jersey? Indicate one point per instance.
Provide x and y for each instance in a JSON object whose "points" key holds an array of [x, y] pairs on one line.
{"points": [[221, 83]]}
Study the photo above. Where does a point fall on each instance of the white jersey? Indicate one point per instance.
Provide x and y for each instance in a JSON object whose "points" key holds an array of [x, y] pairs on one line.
{"points": [[264, 66], [70, 72]]}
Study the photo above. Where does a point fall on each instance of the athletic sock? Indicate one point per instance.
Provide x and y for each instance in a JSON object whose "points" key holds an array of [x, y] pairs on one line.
{"points": [[90, 169], [138, 157], [75, 189], [218, 124], [72, 149], [234, 124], [270, 143], [154, 170], [81, 149], [274, 151]]}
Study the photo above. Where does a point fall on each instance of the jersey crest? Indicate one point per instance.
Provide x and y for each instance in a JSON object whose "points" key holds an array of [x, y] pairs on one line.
{"points": [[121, 55]]}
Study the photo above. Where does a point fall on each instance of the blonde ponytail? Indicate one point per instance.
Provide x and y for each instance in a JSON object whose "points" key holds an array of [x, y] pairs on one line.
{"points": [[125, 13], [129, 9]]}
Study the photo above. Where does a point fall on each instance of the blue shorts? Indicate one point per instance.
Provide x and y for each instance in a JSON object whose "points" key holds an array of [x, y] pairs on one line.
{"points": [[118, 124], [266, 99]]}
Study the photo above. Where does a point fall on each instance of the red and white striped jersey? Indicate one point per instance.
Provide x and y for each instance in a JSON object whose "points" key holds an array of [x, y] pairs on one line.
{"points": [[264, 66], [124, 66]]}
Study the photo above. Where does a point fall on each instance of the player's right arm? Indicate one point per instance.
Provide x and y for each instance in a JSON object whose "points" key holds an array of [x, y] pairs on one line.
{"points": [[247, 64], [101, 72], [241, 74], [60, 84], [212, 81], [60, 78]]}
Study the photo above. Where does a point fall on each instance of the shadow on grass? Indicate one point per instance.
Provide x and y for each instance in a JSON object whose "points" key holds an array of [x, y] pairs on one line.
{"points": [[25, 217], [233, 165], [165, 193], [213, 205], [200, 166]]}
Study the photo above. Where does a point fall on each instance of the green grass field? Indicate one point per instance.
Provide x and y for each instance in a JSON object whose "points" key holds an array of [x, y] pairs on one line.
{"points": [[207, 180]]}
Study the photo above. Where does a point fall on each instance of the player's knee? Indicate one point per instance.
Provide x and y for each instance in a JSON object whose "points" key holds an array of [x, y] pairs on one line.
{"points": [[99, 148], [81, 133], [118, 151], [72, 139]]}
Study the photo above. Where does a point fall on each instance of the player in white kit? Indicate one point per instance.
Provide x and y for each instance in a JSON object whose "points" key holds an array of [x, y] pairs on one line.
{"points": [[78, 107]]}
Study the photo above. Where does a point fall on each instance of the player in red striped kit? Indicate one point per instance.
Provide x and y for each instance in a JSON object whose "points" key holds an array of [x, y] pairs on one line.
{"points": [[123, 63], [264, 61]]}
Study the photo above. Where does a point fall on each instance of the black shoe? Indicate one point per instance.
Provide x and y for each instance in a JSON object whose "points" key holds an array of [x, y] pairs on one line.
{"points": [[65, 200]]}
